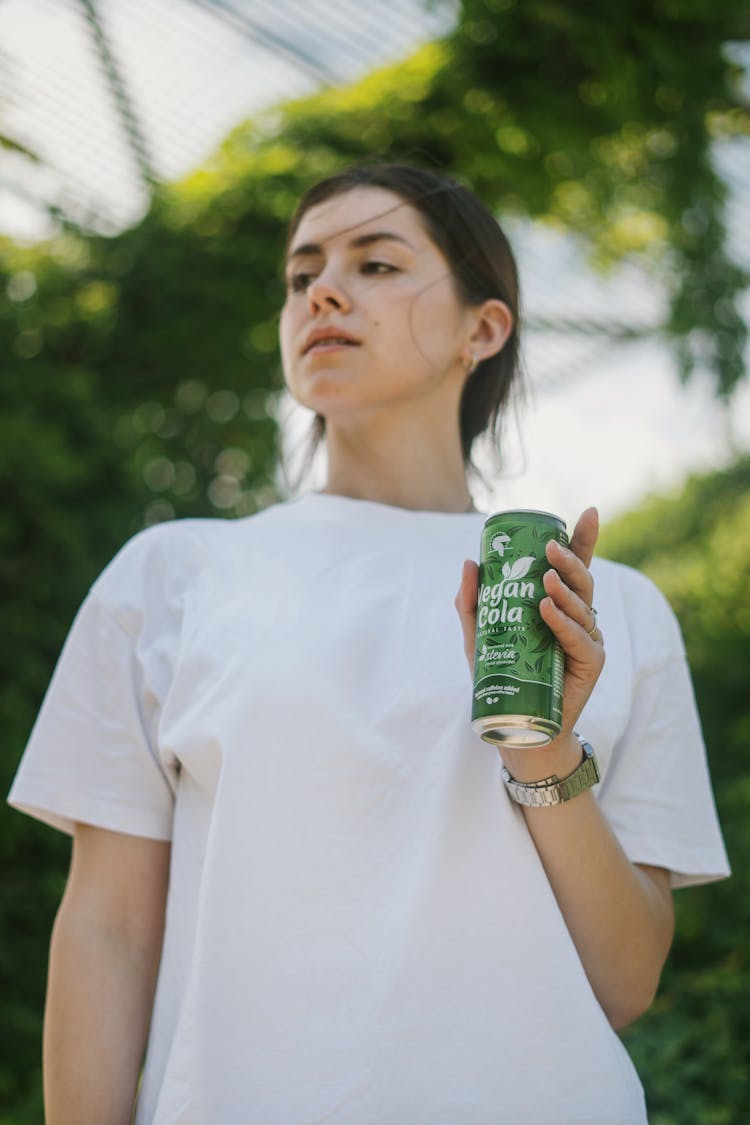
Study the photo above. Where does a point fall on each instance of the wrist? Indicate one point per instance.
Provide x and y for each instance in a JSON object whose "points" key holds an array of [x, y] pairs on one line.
{"points": [[554, 790], [560, 756]]}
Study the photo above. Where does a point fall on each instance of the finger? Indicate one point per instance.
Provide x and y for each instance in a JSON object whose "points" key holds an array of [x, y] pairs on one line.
{"points": [[466, 606], [572, 570], [585, 535], [574, 639], [466, 598], [575, 607]]}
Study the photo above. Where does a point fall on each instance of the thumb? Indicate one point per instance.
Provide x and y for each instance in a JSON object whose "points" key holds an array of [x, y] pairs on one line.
{"points": [[585, 535], [466, 607]]}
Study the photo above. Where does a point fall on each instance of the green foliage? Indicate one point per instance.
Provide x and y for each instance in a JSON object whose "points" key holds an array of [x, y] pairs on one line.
{"points": [[619, 111], [693, 1048], [695, 547]]}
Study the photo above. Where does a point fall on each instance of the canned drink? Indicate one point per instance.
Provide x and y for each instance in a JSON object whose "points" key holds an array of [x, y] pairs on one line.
{"points": [[518, 663]]}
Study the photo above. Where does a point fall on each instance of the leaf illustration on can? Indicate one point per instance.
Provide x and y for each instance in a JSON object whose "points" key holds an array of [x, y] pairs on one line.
{"points": [[520, 568]]}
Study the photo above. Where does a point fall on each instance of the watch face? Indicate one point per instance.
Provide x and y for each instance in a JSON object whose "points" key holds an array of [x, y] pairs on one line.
{"points": [[552, 791]]}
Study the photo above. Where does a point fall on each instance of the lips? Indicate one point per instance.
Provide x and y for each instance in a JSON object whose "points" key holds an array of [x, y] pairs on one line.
{"points": [[328, 337]]}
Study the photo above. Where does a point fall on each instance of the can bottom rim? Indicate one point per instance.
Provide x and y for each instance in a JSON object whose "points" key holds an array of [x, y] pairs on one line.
{"points": [[522, 731]]}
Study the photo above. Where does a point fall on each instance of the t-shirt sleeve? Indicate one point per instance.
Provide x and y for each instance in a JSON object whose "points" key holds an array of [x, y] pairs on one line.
{"points": [[93, 752], [657, 792]]}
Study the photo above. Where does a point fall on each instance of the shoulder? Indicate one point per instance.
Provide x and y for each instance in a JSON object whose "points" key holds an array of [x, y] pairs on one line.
{"points": [[160, 551], [629, 584], [182, 541], [630, 601], [169, 557]]}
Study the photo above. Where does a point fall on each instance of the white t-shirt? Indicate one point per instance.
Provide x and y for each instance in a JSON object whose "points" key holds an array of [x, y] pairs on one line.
{"points": [[359, 929]]}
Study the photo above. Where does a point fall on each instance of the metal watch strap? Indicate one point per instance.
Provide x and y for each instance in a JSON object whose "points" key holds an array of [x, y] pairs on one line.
{"points": [[552, 790]]}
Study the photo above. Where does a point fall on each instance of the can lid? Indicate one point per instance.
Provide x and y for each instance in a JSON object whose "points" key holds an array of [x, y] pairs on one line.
{"points": [[524, 512]]}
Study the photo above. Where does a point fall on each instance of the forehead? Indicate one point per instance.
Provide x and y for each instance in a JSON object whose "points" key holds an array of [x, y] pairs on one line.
{"points": [[358, 211]]}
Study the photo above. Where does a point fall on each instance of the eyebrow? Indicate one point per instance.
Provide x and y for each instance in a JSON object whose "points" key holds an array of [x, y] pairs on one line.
{"points": [[355, 243]]}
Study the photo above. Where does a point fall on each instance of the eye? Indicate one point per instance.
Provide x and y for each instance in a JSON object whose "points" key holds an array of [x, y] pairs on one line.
{"points": [[298, 282], [378, 267]]}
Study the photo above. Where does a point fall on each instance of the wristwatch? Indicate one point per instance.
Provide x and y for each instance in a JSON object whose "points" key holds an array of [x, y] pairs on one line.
{"points": [[551, 790]]}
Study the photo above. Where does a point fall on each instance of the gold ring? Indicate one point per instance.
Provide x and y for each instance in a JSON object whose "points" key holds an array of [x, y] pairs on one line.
{"points": [[592, 630]]}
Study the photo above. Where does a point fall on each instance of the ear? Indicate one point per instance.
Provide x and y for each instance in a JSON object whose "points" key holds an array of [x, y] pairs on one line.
{"points": [[492, 325]]}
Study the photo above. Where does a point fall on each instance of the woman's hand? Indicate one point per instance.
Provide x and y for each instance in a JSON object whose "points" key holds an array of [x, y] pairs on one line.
{"points": [[566, 609]]}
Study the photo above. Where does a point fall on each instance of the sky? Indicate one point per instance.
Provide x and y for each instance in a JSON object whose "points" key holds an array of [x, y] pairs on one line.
{"points": [[604, 423], [625, 430], [613, 424]]}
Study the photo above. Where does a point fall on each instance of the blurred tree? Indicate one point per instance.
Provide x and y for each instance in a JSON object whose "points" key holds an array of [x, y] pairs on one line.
{"points": [[140, 372], [693, 1047], [638, 95]]}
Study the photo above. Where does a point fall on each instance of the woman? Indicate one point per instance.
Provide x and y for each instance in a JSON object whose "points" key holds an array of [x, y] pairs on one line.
{"points": [[258, 734]]}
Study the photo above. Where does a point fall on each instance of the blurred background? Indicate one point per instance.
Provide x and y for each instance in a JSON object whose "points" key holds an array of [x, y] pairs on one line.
{"points": [[150, 154]]}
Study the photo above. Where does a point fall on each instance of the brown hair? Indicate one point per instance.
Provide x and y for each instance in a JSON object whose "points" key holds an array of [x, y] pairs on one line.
{"points": [[482, 265]]}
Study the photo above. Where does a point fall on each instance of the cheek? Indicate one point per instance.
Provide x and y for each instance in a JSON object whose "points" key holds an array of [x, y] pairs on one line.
{"points": [[284, 318], [434, 325], [286, 335], [403, 326]]}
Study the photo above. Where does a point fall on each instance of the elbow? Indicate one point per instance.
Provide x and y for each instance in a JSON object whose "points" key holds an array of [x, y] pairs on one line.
{"points": [[637, 986], [625, 1009]]}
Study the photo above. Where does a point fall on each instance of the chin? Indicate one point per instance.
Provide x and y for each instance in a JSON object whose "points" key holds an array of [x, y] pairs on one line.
{"points": [[329, 395]]}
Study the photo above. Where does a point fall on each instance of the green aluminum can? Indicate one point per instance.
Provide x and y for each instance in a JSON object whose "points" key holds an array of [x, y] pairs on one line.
{"points": [[518, 663]]}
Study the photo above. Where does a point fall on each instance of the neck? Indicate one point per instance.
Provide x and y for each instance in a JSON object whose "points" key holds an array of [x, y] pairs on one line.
{"points": [[406, 471]]}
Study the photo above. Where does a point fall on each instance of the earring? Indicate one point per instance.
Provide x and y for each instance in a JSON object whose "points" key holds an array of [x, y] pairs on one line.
{"points": [[473, 364]]}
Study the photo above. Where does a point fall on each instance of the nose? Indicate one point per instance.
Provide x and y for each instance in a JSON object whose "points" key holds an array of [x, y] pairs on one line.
{"points": [[324, 292]]}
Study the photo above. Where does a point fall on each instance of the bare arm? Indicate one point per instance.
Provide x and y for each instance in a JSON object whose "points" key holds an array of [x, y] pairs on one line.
{"points": [[619, 914], [104, 957]]}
